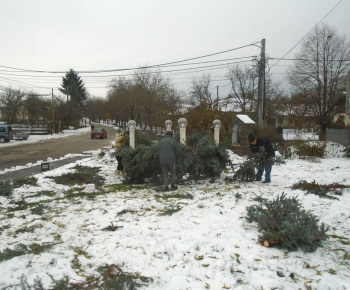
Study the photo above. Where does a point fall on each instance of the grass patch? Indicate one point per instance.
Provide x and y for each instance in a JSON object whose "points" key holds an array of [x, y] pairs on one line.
{"points": [[101, 154], [28, 229], [123, 187], [175, 195], [19, 205], [111, 277], [78, 252], [321, 190], [80, 193], [8, 254], [4, 228], [22, 249], [43, 193], [82, 175], [170, 211], [19, 182], [5, 188], [124, 211], [343, 240], [111, 228], [39, 208]]}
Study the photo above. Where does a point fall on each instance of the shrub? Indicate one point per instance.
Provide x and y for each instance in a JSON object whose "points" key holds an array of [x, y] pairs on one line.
{"points": [[347, 151], [283, 223], [316, 149]]}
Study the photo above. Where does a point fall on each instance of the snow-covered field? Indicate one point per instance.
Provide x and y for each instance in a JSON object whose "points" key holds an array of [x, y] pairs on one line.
{"points": [[206, 243]]}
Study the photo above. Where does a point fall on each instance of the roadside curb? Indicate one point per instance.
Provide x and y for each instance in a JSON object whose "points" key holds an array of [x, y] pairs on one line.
{"points": [[21, 173]]}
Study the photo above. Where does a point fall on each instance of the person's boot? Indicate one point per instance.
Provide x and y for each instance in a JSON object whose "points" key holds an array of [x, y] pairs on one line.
{"points": [[165, 188], [174, 187]]}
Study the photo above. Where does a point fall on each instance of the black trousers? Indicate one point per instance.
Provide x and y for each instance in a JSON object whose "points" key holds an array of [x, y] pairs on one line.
{"points": [[120, 163]]}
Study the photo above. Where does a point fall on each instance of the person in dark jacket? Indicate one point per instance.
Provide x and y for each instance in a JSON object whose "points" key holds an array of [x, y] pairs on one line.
{"points": [[119, 141], [169, 150], [264, 147]]}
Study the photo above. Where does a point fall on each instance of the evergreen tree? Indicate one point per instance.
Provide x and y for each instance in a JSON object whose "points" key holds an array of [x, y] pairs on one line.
{"points": [[74, 87]]}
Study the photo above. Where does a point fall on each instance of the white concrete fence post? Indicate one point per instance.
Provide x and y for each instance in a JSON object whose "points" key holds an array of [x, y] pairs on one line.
{"points": [[182, 122], [217, 125], [132, 126]]}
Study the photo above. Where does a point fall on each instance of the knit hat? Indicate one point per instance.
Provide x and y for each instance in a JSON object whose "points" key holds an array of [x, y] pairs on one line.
{"points": [[169, 133], [251, 138]]}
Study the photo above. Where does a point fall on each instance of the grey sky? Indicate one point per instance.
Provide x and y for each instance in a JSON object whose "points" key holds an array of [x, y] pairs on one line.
{"points": [[90, 35]]}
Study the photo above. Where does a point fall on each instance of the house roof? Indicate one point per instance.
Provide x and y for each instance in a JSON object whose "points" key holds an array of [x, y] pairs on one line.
{"points": [[245, 119]]}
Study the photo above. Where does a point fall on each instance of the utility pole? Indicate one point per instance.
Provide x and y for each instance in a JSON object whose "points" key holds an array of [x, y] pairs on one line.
{"points": [[261, 88], [347, 101], [53, 114], [217, 98]]}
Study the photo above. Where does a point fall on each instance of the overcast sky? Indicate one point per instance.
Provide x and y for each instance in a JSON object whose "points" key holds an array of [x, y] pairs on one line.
{"points": [[90, 36]]}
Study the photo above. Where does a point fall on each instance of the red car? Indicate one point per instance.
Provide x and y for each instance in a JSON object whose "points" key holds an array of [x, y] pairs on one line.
{"points": [[98, 133]]}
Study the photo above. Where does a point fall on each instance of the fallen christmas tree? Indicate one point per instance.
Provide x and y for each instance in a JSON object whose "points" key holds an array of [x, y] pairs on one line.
{"points": [[247, 170], [200, 158], [283, 223]]}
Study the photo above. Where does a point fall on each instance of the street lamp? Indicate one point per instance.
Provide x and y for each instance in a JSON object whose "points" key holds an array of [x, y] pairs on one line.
{"points": [[168, 124], [182, 122], [217, 125], [132, 126]]}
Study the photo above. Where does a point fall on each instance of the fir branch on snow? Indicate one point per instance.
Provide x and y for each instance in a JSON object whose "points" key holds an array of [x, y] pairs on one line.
{"points": [[283, 223], [321, 190]]}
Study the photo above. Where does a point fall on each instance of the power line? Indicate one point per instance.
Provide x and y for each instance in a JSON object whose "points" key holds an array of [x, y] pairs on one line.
{"points": [[192, 67], [176, 71], [306, 34], [127, 69], [304, 59]]}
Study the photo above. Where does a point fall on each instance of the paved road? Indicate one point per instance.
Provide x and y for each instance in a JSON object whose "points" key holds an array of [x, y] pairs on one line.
{"points": [[22, 154]]}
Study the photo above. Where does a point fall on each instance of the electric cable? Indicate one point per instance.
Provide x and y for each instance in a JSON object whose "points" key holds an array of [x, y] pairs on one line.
{"points": [[306, 34], [126, 69]]}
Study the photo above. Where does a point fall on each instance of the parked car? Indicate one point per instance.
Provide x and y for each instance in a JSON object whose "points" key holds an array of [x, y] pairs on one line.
{"points": [[98, 133], [6, 133]]}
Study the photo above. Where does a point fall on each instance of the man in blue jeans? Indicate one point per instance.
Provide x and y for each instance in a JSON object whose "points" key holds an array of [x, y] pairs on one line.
{"points": [[264, 147]]}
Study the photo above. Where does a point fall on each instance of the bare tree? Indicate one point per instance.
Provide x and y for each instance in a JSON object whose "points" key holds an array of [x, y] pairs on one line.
{"points": [[201, 91], [11, 102], [244, 84], [319, 70], [94, 108], [148, 98], [33, 105]]}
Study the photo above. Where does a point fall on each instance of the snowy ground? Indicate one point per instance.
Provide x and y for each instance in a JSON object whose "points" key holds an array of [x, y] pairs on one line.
{"points": [[206, 244]]}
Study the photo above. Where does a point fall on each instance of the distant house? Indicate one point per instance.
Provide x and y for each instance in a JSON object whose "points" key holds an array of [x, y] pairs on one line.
{"points": [[293, 122]]}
